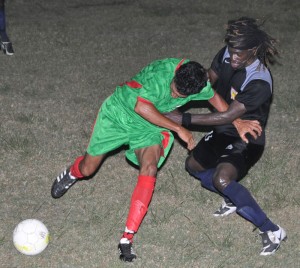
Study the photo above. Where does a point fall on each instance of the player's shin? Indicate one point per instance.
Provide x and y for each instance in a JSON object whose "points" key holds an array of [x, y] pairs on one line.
{"points": [[247, 207], [140, 201]]}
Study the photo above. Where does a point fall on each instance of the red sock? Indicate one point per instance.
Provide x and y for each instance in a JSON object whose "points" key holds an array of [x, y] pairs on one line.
{"points": [[140, 200], [74, 170]]}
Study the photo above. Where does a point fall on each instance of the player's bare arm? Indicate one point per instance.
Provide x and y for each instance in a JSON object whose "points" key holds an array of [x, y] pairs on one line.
{"points": [[218, 103], [151, 114], [234, 111], [231, 115], [224, 116], [243, 127], [213, 77]]}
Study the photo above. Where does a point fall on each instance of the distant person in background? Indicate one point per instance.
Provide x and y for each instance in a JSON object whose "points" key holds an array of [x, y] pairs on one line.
{"points": [[5, 43]]}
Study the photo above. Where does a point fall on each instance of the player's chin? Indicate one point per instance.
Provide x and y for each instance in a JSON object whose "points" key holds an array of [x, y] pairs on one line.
{"points": [[237, 65]]}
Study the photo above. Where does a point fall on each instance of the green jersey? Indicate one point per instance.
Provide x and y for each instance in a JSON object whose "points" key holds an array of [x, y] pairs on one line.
{"points": [[153, 84], [118, 124]]}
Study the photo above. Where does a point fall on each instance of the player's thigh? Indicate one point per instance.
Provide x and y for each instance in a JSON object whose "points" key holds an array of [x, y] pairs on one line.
{"points": [[254, 153], [242, 156], [107, 136], [205, 153]]}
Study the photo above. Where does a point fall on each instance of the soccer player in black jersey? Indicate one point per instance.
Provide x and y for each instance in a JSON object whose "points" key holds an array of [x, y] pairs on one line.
{"points": [[239, 73]]}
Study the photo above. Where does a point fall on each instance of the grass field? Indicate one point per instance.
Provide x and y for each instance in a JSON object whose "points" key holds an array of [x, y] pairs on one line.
{"points": [[69, 56]]}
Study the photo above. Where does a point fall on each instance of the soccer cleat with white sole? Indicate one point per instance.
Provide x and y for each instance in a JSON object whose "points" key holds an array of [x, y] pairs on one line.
{"points": [[225, 209], [271, 241], [7, 48]]}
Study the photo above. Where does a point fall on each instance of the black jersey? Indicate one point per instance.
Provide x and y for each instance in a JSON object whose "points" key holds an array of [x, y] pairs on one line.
{"points": [[251, 86]]}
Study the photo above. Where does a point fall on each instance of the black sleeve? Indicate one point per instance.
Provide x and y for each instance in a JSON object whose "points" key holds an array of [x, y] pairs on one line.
{"points": [[217, 61], [255, 94]]}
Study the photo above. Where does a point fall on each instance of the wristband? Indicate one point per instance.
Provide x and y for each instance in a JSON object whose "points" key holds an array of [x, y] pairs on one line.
{"points": [[186, 119]]}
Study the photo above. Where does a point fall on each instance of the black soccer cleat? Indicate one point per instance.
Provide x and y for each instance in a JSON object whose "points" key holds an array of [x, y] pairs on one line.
{"points": [[126, 251], [7, 48], [62, 184]]}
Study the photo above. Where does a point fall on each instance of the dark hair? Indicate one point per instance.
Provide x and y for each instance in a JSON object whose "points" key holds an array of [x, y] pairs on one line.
{"points": [[246, 33], [190, 78]]}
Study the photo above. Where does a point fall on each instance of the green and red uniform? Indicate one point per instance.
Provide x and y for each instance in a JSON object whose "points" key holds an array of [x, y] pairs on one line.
{"points": [[118, 124]]}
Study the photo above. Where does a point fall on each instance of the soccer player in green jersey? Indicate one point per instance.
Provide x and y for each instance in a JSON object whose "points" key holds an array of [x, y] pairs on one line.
{"points": [[133, 116]]}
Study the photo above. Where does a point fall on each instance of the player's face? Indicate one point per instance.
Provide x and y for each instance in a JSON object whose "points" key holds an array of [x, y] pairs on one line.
{"points": [[174, 92], [241, 58]]}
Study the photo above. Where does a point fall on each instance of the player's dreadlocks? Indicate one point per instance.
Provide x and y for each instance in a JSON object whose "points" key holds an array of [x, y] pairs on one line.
{"points": [[245, 33]]}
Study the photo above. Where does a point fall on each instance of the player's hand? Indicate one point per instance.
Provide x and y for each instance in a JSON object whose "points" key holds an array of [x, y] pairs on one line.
{"points": [[187, 137], [243, 127], [175, 116]]}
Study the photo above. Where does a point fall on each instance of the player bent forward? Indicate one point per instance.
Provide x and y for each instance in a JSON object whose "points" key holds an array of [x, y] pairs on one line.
{"points": [[132, 116]]}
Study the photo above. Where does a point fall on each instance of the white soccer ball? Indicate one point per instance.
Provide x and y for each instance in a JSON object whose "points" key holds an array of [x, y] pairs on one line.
{"points": [[31, 237]]}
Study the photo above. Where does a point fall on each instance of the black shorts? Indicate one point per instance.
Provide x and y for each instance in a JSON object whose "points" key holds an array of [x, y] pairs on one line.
{"points": [[215, 148]]}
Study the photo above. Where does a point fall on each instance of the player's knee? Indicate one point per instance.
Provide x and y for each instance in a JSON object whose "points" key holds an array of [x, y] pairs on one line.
{"points": [[224, 175], [188, 167], [149, 170], [221, 180]]}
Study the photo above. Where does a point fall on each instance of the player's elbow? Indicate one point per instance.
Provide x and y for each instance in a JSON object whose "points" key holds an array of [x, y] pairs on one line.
{"points": [[142, 107], [138, 108]]}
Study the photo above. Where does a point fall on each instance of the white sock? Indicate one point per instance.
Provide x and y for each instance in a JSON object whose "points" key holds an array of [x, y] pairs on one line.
{"points": [[128, 231]]}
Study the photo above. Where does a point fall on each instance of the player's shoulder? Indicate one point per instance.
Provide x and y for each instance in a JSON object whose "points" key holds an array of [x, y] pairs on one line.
{"points": [[222, 54], [167, 65], [259, 73], [167, 61]]}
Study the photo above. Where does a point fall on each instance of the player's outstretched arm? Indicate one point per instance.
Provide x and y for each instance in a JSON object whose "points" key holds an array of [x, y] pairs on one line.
{"points": [[231, 115], [243, 126]]}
